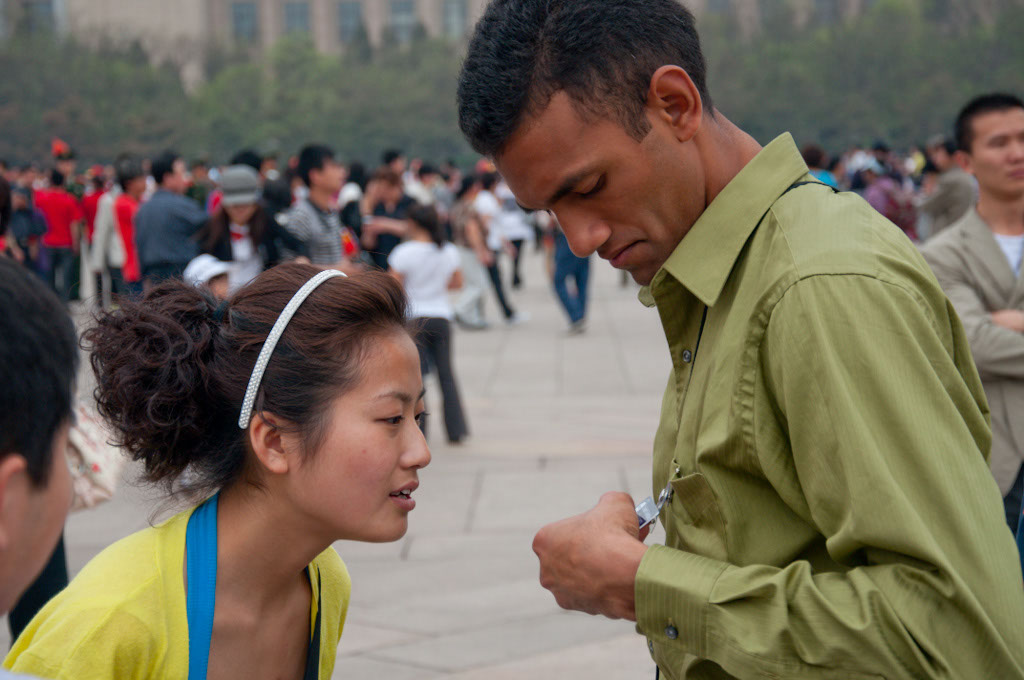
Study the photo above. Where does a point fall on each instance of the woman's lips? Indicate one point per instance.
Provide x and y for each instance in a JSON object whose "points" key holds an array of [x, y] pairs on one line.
{"points": [[406, 503], [403, 497]]}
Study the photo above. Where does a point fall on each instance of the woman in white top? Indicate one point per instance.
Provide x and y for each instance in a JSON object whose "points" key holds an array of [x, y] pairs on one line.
{"points": [[428, 267]]}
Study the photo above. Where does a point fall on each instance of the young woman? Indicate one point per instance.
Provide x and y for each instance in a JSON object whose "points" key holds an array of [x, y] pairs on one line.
{"points": [[428, 267], [242, 232], [295, 407]]}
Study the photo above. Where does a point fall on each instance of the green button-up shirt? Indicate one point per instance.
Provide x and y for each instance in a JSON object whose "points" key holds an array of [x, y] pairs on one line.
{"points": [[826, 436]]}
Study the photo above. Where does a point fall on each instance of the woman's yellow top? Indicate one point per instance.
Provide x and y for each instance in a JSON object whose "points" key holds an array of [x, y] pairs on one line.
{"points": [[124, 617]]}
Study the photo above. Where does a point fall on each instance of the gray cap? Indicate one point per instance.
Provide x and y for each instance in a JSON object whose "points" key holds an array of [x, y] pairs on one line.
{"points": [[240, 184]]}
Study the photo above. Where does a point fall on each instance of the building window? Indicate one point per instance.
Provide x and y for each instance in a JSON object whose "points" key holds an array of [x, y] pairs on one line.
{"points": [[39, 16], [245, 21], [826, 11], [296, 17], [403, 20], [454, 19], [350, 20]]}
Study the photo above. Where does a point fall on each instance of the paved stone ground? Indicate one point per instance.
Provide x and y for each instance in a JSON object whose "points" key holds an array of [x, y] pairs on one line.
{"points": [[556, 421]]}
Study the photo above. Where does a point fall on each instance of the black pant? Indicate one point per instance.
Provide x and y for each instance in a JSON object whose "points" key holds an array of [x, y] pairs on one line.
{"points": [[63, 278], [495, 274], [434, 342], [518, 245], [52, 580]]}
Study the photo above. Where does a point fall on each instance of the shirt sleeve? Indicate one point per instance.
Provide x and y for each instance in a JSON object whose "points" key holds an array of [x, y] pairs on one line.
{"points": [[998, 352], [123, 212], [398, 260], [86, 645], [142, 230], [453, 257], [193, 214], [887, 442], [299, 224], [75, 209], [103, 230]]}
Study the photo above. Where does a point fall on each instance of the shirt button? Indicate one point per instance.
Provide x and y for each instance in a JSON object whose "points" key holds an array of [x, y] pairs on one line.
{"points": [[687, 356], [671, 633], [650, 645]]}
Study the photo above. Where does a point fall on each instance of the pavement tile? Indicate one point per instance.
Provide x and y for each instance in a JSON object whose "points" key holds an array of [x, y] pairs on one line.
{"points": [[621, 658], [368, 668], [503, 642]]}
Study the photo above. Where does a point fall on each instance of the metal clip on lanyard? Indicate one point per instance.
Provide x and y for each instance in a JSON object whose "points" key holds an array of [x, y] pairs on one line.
{"points": [[647, 510]]}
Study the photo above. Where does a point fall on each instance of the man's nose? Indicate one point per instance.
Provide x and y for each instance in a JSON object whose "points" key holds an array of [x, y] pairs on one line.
{"points": [[585, 233], [1017, 149]]}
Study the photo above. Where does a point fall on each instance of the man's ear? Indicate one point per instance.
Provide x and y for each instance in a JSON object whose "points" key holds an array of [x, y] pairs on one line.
{"points": [[673, 98], [273, 449], [14, 482], [963, 159]]}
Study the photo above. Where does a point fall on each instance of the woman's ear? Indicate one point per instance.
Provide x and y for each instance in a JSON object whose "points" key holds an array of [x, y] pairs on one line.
{"points": [[274, 450]]}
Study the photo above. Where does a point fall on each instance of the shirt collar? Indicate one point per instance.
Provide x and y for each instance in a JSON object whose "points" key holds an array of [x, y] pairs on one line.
{"points": [[705, 257]]}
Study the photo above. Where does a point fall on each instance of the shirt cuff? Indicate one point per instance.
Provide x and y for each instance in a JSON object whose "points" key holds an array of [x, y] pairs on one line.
{"points": [[671, 592]]}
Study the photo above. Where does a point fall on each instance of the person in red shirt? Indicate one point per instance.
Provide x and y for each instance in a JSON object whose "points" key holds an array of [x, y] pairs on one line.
{"points": [[64, 219], [90, 202], [133, 183]]}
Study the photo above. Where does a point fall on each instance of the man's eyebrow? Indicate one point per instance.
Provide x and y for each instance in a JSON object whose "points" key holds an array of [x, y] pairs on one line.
{"points": [[568, 184]]}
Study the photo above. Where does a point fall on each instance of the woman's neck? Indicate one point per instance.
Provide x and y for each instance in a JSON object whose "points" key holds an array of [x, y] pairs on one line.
{"points": [[262, 550]]}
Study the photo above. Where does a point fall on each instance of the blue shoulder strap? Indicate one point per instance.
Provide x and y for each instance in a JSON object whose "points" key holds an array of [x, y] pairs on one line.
{"points": [[1020, 535], [201, 567], [201, 570]]}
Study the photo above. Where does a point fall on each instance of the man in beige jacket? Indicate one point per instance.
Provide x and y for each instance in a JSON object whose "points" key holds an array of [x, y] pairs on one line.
{"points": [[977, 260], [954, 192]]}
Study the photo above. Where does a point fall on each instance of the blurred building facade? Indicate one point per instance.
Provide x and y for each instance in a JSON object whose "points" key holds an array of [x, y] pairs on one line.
{"points": [[182, 32]]}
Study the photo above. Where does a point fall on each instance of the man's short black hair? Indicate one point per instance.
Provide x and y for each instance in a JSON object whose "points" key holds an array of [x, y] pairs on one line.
{"points": [[163, 165], [602, 53], [963, 129], [56, 178], [313, 157], [390, 156], [38, 361]]}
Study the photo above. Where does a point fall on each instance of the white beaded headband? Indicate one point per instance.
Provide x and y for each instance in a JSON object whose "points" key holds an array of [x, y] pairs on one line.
{"points": [[275, 334]]}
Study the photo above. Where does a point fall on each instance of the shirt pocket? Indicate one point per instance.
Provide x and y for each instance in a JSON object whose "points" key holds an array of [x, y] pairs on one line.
{"points": [[696, 523]]}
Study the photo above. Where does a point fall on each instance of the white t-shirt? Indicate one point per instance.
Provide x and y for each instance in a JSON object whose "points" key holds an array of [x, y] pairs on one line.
{"points": [[1013, 248], [426, 271], [487, 206], [514, 222], [246, 263]]}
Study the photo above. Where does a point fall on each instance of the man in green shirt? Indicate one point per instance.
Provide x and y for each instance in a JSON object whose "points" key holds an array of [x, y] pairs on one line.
{"points": [[824, 433]]}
